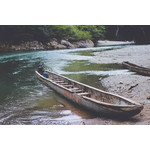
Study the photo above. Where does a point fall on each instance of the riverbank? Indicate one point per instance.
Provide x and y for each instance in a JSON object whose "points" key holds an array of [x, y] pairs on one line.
{"points": [[139, 55], [55, 44], [132, 86], [51, 45]]}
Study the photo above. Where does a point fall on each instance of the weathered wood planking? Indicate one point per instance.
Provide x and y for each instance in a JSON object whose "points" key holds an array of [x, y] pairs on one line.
{"points": [[91, 98]]}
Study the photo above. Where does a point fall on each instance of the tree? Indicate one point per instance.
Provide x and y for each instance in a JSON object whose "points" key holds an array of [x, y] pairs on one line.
{"points": [[97, 32], [139, 33]]}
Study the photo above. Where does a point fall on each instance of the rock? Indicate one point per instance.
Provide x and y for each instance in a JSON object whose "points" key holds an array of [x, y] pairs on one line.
{"points": [[100, 79], [148, 97], [84, 44], [12, 47], [67, 44], [33, 45], [60, 46], [120, 82], [119, 87], [53, 44], [56, 45]]}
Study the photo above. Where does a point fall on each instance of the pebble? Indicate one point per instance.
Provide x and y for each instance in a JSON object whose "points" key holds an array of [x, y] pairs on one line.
{"points": [[100, 79], [118, 86]]}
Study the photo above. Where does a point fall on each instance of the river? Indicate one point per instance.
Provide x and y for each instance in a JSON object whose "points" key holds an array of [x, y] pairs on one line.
{"points": [[25, 100]]}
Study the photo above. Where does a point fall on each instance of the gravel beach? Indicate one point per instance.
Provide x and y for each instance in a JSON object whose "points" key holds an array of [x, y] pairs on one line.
{"points": [[133, 86], [139, 55]]}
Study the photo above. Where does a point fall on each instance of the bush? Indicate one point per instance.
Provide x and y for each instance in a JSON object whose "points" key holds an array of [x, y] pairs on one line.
{"points": [[17, 34]]}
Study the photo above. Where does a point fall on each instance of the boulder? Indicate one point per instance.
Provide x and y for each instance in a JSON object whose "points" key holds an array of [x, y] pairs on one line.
{"points": [[4, 47], [34, 45], [67, 44], [60, 46], [84, 44], [53, 44], [56, 45]]}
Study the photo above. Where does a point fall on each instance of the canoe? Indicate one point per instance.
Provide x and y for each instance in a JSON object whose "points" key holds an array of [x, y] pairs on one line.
{"points": [[91, 98], [136, 68]]}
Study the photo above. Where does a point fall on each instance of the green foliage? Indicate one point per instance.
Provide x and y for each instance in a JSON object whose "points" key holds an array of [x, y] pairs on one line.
{"points": [[69, 32], [43, 33], [96, 31], [17, 34]]}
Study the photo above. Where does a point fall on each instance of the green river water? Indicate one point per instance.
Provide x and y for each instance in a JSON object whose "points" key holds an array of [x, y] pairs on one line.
{"points": [[25, 100]]}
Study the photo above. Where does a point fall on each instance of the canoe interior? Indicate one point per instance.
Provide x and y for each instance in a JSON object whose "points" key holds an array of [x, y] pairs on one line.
{"points": [[89, 92]]}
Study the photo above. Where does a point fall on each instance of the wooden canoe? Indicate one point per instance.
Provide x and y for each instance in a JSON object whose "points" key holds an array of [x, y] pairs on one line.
{"points": [[93, 99], [136, 68]]}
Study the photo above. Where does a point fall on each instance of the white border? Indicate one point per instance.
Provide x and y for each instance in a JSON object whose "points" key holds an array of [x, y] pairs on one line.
{"points": [[69, 137], [74, 12]]}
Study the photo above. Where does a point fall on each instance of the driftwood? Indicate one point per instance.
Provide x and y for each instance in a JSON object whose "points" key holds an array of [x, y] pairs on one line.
{"points": [[133, 86]]}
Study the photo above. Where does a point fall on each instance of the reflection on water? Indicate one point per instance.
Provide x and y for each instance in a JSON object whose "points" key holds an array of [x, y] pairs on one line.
{"points": [[25, 100]]}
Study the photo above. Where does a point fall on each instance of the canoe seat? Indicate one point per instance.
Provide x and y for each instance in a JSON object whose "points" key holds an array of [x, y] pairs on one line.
{"points": [[84, 94], [59, 81], [63, 83], [68, 86], [77, 91], [75, 88]]}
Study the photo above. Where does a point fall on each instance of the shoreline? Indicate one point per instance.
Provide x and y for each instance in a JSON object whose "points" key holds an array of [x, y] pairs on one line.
{"points": [[121, 84], [55, 45]]}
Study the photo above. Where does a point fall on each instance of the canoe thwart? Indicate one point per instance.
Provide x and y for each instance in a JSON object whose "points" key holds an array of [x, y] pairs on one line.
{"points": [[59, 81], [68, 86]]}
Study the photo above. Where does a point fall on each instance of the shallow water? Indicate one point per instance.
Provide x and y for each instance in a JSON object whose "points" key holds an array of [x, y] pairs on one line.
{"points": [[25, 100]]}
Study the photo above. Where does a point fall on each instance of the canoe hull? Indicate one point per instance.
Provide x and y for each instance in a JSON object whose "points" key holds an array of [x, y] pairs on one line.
{"points": [[85, 102], [136, 68]]}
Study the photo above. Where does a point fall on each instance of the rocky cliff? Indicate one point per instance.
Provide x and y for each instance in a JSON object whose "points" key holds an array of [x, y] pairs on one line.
{"points": [[51, 45]]}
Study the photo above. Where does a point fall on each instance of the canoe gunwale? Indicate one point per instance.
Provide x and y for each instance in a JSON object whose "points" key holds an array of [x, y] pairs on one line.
{"points": [[98, 90], [112, 105], [53, 82], [109, 109], [134, 104]]}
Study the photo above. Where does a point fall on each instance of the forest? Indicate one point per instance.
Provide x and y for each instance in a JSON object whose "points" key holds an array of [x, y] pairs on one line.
{"points": [[15, 34]]}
